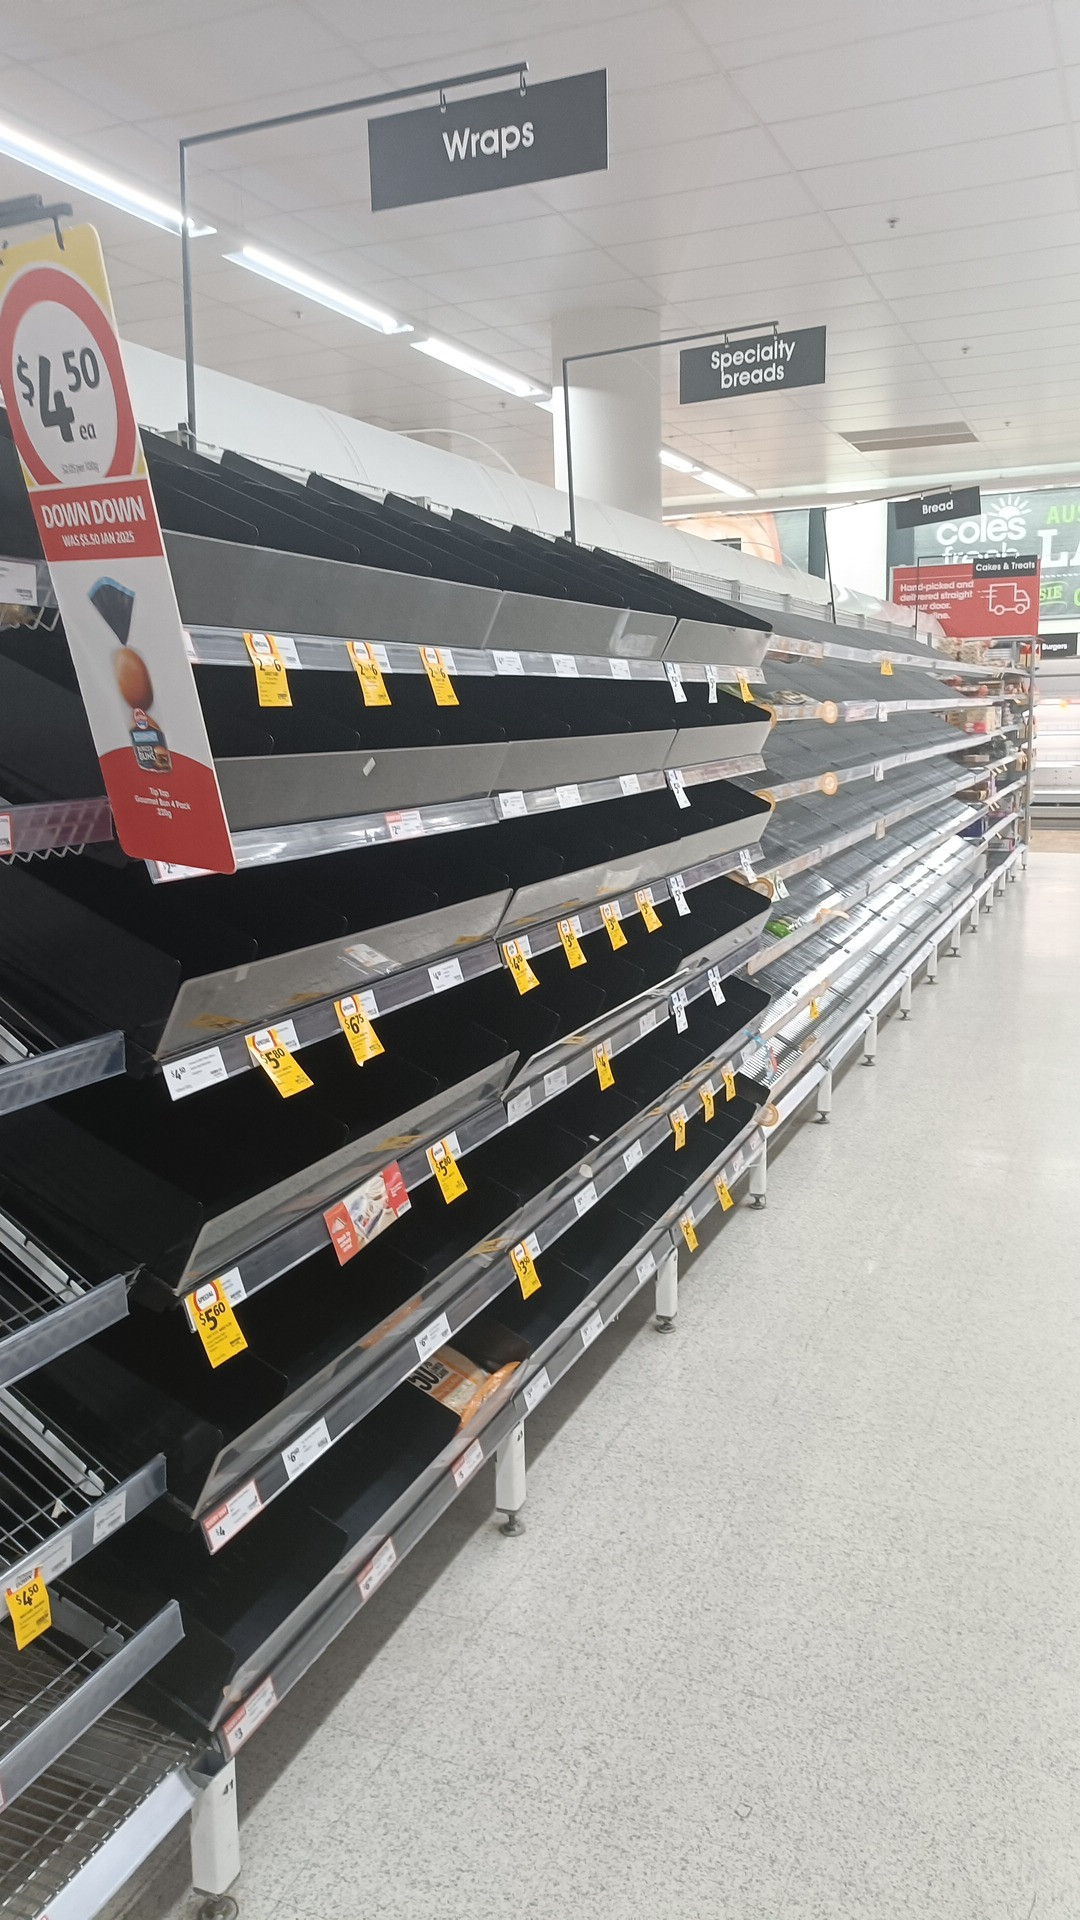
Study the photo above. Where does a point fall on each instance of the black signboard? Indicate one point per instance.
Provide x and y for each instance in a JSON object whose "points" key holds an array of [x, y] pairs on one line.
{"points": [[493, 140], [1004, 566], [958, 504], [1058, 646], [731, 369]]}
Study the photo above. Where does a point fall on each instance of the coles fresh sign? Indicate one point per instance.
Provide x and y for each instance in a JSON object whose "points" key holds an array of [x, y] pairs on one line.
{"points": [[71, 417]]}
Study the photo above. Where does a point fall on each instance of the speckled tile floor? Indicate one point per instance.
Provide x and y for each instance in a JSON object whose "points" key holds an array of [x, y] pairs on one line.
{"points": [[792, 1634]]}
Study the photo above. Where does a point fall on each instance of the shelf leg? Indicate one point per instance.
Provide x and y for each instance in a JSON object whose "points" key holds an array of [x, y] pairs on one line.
{"points": [[510, 1480], [905, 997], [954, 942], [1023, 859], [932, 966], [824, 1099], [667, 1290], [870, 1043], [759, 1178], [215, 1844], [999, 885], [973, 917]]}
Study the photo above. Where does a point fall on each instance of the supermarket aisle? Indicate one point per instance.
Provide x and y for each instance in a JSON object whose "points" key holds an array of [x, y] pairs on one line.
{"points": [[792, 1634]]}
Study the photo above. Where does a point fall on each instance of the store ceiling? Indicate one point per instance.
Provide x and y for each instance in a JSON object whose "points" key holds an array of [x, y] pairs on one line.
{"points": [[908, 177]]}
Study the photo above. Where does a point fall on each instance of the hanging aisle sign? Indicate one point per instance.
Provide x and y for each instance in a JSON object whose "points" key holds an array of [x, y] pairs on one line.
{"points": [[957, 504], [71, 417], [730, 369], [492, 140]]}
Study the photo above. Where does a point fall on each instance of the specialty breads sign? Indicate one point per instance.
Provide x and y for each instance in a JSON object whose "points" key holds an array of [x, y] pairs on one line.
{"points": [[71, 417], [994, 597], [730, 369]]}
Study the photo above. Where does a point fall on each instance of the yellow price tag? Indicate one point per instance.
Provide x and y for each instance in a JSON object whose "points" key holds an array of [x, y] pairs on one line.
{"points": [[689, 1231], [441, 684], [446, 1170], [723, 1194], [525, 1268], [611, 920], [886, 667], [30, 1609], [518, 962], [358, 1030], [647, 910], [279, 1065], [729, 1084], [215, 1323], [271, 679], [814, 1010], [744, 689], [602, 1059], [678, 1126], [708, 1099], [571, 944], [369, 673]]}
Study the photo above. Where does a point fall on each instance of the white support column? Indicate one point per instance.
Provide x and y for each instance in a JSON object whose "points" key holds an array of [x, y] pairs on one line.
{"points": [[824, 1098], [215, 1844], [932, 966], [510, 1479], [905, 997], [667, 1290], [870, 1043], [759, 1177], [614, 407]]}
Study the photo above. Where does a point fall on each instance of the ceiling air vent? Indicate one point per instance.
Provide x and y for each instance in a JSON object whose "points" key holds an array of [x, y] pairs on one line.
{"points": [[889, 439]]}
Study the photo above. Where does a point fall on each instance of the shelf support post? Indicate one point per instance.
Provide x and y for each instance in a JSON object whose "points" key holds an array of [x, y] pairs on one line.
{"points": [[215, 1844], [973, 919], [824, 1098], [905, 997], [510, 1480], [870, 1043], [667, 1289], [954, 941], [932, 966], [759, 1178]]}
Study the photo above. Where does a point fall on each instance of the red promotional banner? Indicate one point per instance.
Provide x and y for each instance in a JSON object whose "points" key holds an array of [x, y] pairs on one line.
{"points": [[71, 417], [991, 598]]}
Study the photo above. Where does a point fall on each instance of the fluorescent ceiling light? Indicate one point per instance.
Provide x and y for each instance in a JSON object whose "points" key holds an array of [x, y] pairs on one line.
{"points": [[677, 460], [514, 383], [719, 482], [299, 280], [76, 172]]}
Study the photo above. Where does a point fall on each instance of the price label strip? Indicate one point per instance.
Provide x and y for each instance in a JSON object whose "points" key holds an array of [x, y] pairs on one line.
{"points": [[446, 1170], [369, 673], [602, 1061], [525, 1268], [724, 1194], [689, 1231], [273, 1056], [647, 910], [571, 944], [358, 1030], [610, 917], [437, 667], [30, 1609], [216, 1323], [518, 962], [271, 679]]}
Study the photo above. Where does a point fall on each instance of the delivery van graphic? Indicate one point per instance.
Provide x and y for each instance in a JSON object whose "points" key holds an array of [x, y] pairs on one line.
{"points": [[1006, 597], [116, 605]]}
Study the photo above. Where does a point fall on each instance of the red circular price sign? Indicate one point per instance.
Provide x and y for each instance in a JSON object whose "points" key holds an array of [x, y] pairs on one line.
{"points": [[67, 396]]}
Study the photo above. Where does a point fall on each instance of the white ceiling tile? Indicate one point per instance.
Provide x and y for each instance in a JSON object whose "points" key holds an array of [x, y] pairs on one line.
{"points": [[692, 109], [960, 210], [977, 165], [914, 126], [694, 211]]}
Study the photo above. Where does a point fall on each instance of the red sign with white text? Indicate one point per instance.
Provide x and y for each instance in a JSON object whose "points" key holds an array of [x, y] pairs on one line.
{"points": [[71, 417], [366, 1212], [991, 598]]}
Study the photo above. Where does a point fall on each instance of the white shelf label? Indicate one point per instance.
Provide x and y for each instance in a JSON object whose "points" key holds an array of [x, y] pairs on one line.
{"points": [[675, 683], [532, 1242], [594, 1325], [51, 1559], [303, 1453], [251, 1715], [375, 1572], [883, 713], [536, 1390], [407, 825], [519, 1104], [433, 1337], [620, 669], [716, 985], [678, 786], [678, 1008], [565, 665], [511, 805], [646, 1266], [554, 1082], [220, 1526], [464, 1468], [287, 649], [747, 864], [633, 1156], [285, 1033], [879, 771], [446, 974], [6, 841], [678, 893], [197, 1071], [568, 796], [710, 675], [507, 662], [647, 1022], [629, 783], [110, 1515], [585, 1200], [18, 585]]}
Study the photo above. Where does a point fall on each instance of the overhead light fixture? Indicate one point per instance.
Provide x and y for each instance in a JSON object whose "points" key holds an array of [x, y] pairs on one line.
{"points": [[719, 482], [76, 172], [299, 280], [495, 376]]}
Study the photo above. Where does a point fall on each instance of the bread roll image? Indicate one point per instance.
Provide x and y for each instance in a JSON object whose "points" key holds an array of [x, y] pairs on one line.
{"points": [[133, 678]]}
